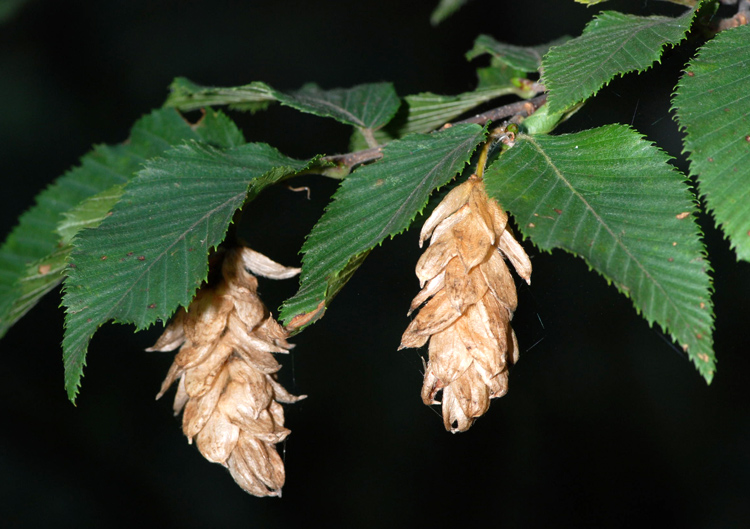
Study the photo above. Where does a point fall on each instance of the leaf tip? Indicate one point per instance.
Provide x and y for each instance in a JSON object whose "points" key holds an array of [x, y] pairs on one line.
{"points": [[72, 386], [298, 322], [706, 367]]}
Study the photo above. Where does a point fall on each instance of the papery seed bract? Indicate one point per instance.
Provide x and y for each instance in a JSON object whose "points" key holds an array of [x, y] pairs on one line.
{"points": [[467, 301], [227, 389]]}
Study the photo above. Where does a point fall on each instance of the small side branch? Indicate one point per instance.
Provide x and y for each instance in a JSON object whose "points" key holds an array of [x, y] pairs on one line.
{"points": [[520, 109], [517, 110], [741, 18], [351, 159]]}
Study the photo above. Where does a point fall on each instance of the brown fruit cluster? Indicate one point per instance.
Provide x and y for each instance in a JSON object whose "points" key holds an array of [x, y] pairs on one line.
{"points": [[227, 387], [469, 298]]}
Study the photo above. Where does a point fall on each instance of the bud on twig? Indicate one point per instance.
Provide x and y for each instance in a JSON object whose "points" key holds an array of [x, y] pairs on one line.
{"points": [[227, 390], [469, 298]]}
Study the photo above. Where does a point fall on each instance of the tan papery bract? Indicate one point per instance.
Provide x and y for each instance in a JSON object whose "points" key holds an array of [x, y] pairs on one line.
{"points": [[227, 390], [467, 301]]}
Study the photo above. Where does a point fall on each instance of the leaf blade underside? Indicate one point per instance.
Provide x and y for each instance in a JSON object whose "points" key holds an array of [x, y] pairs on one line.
{"points": [[526, 59], [366, 106]]}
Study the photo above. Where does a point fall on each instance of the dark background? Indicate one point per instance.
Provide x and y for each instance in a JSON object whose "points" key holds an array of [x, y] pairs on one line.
{"points": [[606, 424]]}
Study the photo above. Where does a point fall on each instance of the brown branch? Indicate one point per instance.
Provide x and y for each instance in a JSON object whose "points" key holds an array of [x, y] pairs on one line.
{"points": [[519, 109], [741, 18], [351, 159]]}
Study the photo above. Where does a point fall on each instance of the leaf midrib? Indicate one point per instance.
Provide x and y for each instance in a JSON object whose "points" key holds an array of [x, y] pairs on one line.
{"points": [[628, 39], [389, 226], [156, 260], [354, 120], [617, 240]]}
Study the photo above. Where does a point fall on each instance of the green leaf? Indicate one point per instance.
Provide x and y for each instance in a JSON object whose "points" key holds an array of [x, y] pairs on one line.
{"points": [[526, 59], [150, 255], [426, 112], [365, 106], [187, 95], [89, 213], [218, 130], [374, 202], [499, 75], [35, 239], [713, 107], [612, 44], [214, 128], [611, 197], [543, 121], [445, 9], [39, 278]]}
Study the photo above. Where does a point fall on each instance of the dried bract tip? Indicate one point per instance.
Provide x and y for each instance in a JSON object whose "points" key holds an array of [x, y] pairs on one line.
{"points": [[467, 301], [261, 265], [227, 389]]}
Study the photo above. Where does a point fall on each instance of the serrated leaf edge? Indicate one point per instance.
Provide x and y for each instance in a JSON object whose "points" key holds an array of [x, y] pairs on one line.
{"points": [[706, 371]]}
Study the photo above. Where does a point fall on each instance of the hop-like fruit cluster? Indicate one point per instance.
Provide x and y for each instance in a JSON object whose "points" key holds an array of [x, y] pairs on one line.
{"points": [[227, 388], [469, 298]]}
